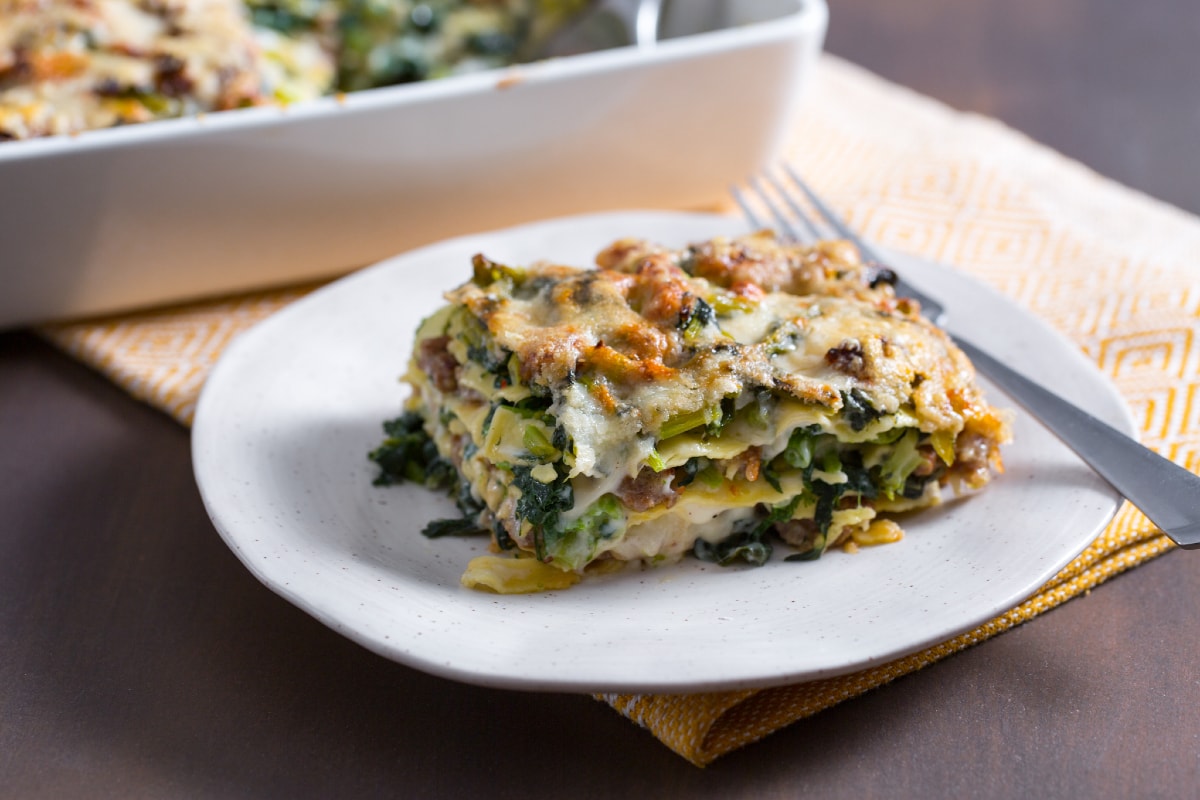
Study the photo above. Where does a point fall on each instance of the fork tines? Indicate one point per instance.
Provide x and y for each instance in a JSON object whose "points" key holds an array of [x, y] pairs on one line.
{"points": [[782, 200]]}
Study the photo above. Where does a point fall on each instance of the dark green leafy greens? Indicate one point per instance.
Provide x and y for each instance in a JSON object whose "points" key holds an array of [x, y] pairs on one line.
{"points": [[408, 454], [748, 542], [694, 317], [857, 409], [738, 546], [541, 504], [572, 543], [453, 526]]}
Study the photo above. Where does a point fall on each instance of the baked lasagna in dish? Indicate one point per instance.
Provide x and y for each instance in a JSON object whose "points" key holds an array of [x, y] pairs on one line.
{"points": [[68, 66], [73, 65], [723, 400]]}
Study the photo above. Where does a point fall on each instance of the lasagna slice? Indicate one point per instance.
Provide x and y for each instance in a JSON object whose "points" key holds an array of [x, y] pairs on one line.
{"points": [[722, 400]]}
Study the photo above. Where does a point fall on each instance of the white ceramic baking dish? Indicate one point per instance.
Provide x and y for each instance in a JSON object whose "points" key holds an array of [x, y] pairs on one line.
{"points": [[168, 211]]}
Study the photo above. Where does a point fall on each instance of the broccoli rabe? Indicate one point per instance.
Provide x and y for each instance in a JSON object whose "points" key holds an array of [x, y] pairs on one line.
{"points": [[570, 544], [408, 454]]}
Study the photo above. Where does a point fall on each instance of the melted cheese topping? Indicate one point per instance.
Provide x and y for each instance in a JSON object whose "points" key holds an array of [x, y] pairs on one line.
{"points": [[615, 351]]}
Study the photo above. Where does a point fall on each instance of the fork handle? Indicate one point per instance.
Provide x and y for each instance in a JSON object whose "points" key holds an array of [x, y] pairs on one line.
{"points": [[1165, 492]]}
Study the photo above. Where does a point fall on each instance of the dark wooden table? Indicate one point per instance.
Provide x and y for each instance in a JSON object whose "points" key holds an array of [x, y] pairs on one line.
{"points": [[139, 658]]}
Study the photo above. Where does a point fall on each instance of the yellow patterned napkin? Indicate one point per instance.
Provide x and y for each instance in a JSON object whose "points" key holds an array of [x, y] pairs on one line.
{"points": [[1108, 267]]}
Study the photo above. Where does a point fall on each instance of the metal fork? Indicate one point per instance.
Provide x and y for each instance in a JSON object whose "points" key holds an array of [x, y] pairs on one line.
{"points": [[1166, 493]]}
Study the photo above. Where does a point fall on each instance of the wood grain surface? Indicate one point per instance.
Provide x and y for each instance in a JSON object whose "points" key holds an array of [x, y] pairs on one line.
{"points": [[138, 658]]}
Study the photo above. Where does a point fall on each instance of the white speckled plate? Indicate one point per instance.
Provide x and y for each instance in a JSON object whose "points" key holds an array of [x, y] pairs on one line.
{"points": [[288, 415]]}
